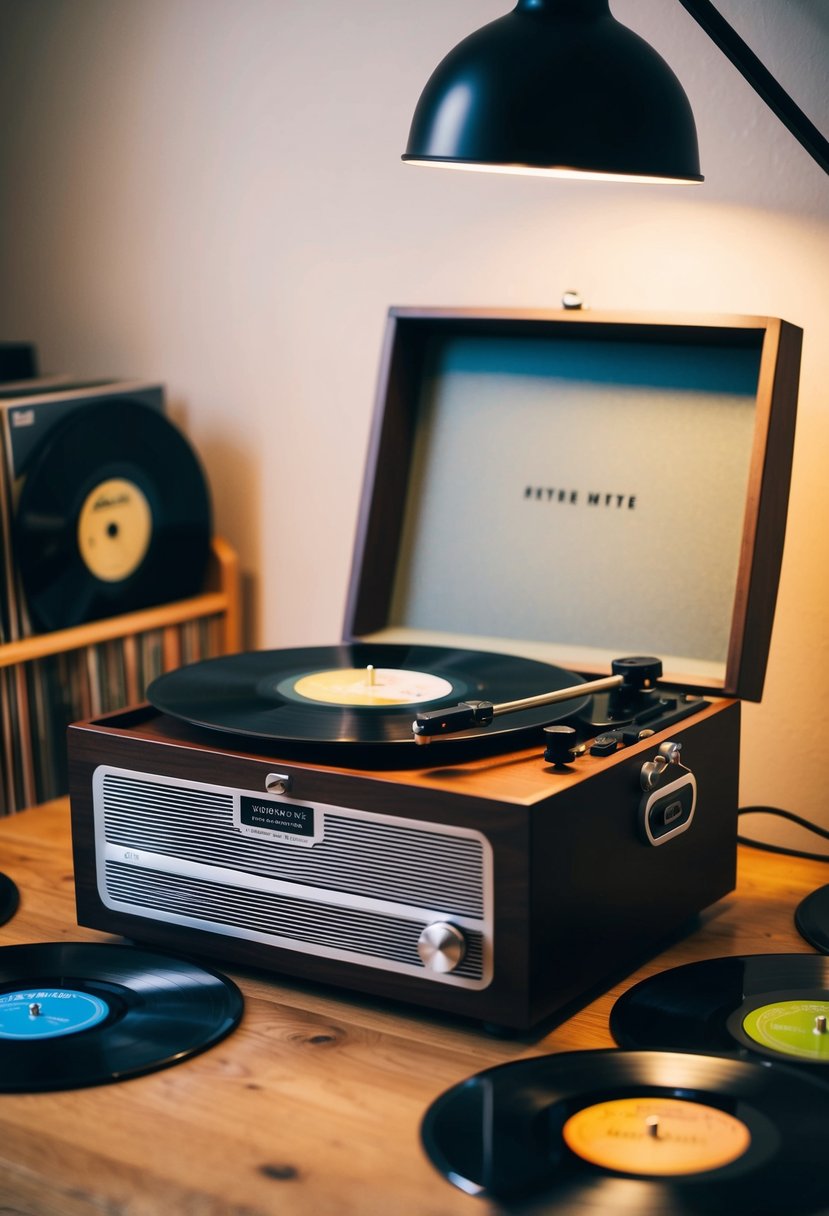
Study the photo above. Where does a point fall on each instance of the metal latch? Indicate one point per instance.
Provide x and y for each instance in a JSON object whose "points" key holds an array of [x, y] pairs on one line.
{"points": [[670, 796]]}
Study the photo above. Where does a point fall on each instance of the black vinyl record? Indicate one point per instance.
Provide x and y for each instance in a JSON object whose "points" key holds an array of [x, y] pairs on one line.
{"points": [[644, 1133], [321, 694], [811, 919], [9, 898], [74, 1014], [763, 1006], [113, 515]]}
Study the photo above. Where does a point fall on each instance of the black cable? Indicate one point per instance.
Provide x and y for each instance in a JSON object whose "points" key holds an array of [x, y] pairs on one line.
{"points": [[776, 848]]}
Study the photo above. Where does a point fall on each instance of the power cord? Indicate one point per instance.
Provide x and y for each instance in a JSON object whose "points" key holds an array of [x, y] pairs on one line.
{"points": [[776, 848]]}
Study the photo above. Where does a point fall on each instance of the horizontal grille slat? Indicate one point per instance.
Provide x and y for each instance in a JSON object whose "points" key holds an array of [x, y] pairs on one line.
{"points": [[344, 930], [379, 859]]}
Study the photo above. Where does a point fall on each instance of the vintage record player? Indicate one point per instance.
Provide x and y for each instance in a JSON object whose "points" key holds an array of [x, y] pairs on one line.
{"points": [[549, 496]]}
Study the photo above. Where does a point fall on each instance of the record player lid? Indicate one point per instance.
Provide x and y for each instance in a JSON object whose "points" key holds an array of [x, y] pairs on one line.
{"points": [[571, 487]]}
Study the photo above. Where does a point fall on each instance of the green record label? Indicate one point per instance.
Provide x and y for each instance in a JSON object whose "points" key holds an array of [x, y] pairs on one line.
{"points": [[795, 1028]]}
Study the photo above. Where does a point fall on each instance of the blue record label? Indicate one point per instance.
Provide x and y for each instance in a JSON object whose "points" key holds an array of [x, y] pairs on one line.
{"points": [[46, 1013]]}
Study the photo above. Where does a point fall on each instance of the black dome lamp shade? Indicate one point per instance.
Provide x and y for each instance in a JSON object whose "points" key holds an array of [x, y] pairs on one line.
{"points": [[561, 88], [557, 87]]}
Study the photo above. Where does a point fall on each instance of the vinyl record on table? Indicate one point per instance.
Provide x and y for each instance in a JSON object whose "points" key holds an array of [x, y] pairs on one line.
{"points": [[113, 515], [811, 919], [769, 1006], [650, 1133], [74, 1014], [9, 898], [358, 693]]}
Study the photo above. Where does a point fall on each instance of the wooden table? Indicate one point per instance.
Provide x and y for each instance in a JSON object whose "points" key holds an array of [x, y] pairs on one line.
{"points": [[313, 1104]]}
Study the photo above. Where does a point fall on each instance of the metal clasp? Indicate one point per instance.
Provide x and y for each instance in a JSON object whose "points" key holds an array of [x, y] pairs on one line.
{"points": [[653, 770]]}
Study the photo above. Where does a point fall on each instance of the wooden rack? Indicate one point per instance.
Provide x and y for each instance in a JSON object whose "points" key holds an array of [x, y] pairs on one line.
{"points": [[50, 679]]}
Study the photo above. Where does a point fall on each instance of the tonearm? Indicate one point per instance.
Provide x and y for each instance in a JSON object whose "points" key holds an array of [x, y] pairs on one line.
{"points": [[635, 674]]}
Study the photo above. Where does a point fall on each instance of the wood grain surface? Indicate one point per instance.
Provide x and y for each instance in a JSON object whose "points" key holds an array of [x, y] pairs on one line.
{"points": [[313, 1104]]}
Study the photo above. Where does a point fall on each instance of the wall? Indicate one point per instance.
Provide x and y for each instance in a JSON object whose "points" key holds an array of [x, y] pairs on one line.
{"points": [[210, 193]]}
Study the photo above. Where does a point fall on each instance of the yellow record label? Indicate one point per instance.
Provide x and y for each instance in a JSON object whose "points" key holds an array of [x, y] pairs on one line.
{"points": [[115, 527], [372, 686], [656, 1136]]}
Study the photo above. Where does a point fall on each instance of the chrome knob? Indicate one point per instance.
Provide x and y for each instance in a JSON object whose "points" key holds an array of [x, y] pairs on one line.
{"points": [[441, 946]]}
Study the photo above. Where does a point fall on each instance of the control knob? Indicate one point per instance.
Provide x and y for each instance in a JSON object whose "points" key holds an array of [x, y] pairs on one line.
{"points": [[561, 745], [441, 946]]}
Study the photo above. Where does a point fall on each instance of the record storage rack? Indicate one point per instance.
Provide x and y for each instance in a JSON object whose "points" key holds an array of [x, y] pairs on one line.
{"points": [[51, 679]]}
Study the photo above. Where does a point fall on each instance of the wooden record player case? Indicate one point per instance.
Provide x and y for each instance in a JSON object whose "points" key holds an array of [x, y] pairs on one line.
{"points": [[567, 486]]}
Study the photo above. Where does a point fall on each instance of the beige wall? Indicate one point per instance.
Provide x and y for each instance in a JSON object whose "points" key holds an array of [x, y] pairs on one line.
{"points": [[209, 192]]}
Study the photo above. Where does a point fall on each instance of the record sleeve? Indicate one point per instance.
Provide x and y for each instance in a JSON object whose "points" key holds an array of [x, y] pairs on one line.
{"points": [[28, 413], [113, 515]]}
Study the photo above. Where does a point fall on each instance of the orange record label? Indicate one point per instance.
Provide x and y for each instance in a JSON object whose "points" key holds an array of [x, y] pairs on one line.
{"points": [[372, 686], [115, 527], [656, 1136]]}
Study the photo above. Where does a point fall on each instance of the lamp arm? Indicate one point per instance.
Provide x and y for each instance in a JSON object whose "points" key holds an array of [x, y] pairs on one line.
{"points": [[760, 79]]}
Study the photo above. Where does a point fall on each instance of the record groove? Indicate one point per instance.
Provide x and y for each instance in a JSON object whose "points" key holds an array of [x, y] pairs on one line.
{"points": [[74, 1014], [516, 1134], [260, 694]]}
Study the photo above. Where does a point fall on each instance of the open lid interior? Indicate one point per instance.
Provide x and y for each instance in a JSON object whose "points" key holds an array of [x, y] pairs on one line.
{"points": [[577, 489]]}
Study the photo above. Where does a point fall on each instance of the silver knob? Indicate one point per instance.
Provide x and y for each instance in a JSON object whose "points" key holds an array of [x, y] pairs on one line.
{"points": [[441, 946]]}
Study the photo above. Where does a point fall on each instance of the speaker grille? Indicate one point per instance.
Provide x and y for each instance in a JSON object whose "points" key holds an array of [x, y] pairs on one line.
{"points": [[342, 932], [373, 856]]}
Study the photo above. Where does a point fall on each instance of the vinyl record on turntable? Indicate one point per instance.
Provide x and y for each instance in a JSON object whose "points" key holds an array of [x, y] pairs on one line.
{"points": [[113, 515], [646, 1132], [764, 1006], [358, 693], [74, 1014]]}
